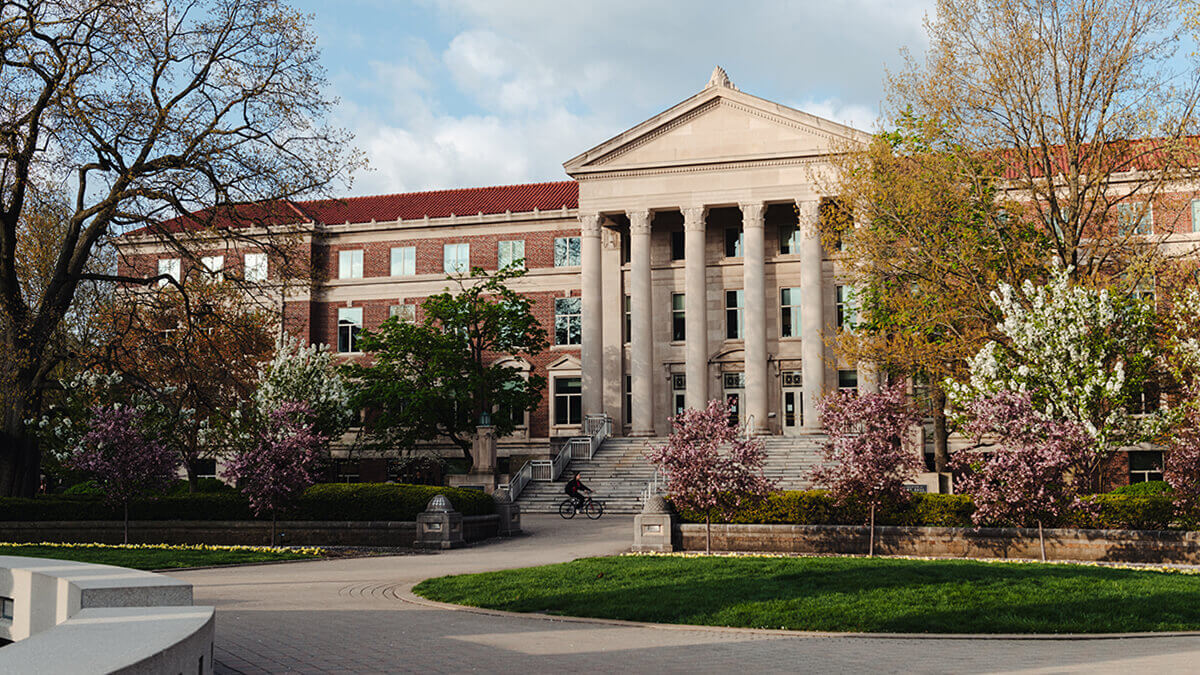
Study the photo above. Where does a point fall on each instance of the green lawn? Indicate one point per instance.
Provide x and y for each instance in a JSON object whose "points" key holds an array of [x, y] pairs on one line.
{"points": [[880, 595], [158, 557]]}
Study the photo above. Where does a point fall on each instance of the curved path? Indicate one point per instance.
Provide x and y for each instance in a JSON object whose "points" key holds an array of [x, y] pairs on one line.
{"points": [[348, 616]]}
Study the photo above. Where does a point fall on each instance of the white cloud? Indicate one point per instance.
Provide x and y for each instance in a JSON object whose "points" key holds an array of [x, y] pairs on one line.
{"points": [[519, 87]]}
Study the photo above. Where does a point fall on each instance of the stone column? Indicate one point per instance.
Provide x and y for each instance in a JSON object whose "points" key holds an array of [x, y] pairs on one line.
{"points": [[755, 290], [695, 308], [614, 328], [812, 312], [642, 340], [592, 346]]}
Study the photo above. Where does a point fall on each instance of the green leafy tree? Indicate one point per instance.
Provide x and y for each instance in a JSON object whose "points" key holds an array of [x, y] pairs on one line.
{"points": [[434, 379]]}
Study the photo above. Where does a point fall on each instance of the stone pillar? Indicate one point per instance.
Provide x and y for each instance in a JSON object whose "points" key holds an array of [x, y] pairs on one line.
{"points": [[642, 340], [755, 290], [654, 526], [614, 328], [439, 525], [592, 346], [695, 309], [508, 514], [812, 312]]}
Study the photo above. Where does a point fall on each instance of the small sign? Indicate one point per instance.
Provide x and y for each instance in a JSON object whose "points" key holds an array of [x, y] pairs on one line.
{"points": [[912, 487]]}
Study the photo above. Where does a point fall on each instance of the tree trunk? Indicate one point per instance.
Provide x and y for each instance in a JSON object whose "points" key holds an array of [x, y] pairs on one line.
{"points": [[871, 540], [193, 481], [1042, 541], [20, 456], [126, 505], [272, 528], [941, 435], [708, 534]]}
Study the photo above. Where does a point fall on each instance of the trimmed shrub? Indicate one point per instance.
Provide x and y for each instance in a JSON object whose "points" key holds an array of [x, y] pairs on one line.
{"points": [[1148, 488], [87, 487], [337, 501], [180, 487], [816, 507]]}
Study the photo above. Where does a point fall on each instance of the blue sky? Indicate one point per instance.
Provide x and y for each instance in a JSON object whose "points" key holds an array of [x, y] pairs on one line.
{"points": [[489, 92]]}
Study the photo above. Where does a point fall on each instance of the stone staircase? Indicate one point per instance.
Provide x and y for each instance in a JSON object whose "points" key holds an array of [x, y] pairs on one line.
{"points": [[619, 472]]}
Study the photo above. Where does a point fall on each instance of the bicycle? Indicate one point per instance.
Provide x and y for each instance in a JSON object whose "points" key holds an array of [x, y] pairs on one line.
{"points": [[591, 508]]}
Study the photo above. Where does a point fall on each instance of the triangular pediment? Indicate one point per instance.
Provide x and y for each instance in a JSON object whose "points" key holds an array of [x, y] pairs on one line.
{"points": [[720, 124], [564, 362]]}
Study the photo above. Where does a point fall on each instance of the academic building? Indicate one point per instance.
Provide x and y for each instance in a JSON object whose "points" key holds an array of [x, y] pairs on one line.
{"points": [[679, 263]]}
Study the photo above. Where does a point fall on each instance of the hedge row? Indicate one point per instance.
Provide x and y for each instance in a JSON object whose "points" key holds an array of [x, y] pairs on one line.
{"points": [[333, 501], [817, 507]]}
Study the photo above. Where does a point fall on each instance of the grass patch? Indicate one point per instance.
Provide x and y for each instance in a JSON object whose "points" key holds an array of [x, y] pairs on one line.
{"points": [[159, 556], [875, 595]]}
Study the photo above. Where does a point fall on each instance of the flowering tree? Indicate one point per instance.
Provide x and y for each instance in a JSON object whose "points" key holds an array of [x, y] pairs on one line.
{"points": [[308, 374], [1031, 476], [1080, 353], [870, 453], [125, 459], [281, 462], [700, 476], [1181, 467]]}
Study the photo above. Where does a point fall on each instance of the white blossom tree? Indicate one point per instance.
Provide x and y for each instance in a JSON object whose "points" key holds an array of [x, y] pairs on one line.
{"points": [[1081, 353], [308, 375]]}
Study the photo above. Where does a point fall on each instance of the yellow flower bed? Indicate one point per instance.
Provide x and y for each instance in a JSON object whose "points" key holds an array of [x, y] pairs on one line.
{"points": [[303, 550]]}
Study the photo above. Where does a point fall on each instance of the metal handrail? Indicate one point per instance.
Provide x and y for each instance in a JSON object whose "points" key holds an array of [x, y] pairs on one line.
{"points": [[598, 426], [749, 426], [519, 480]]}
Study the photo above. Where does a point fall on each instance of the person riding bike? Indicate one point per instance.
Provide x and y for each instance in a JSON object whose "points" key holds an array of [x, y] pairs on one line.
{"points": [[574, 488]]}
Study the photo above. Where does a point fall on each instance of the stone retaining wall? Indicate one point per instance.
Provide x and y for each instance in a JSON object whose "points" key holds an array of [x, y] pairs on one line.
{"points": [[1061, 544], [238, 532]]}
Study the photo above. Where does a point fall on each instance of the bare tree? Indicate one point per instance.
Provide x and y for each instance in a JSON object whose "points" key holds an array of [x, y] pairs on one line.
{"points": [[1087, 108], [144, 112]]}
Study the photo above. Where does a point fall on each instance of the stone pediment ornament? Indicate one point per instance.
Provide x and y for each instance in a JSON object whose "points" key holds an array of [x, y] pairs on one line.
{"points": [[720, 78]]}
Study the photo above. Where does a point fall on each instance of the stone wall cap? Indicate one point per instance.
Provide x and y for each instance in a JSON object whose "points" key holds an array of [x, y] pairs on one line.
{"points": [[439, 503]]}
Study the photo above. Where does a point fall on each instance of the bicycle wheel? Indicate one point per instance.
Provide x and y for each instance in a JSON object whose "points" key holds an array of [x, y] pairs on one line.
{"points": [[594, 509], [567, 509]]}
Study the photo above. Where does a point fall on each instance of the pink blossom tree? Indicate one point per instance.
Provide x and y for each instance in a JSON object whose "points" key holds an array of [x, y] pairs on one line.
{"points": [[125, 459], [871, 451], [710, 466], [1181, 467], [1032, 472], [280, 462]]}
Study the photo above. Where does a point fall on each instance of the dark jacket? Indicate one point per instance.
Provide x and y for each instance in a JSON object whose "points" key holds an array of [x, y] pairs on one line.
{"points": [[575, 486]]}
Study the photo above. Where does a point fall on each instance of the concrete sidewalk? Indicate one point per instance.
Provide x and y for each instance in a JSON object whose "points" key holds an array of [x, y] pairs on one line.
{"points": [[347, 616]]}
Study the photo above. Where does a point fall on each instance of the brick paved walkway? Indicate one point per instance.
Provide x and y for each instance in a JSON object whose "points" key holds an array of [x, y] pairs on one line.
{"points": [[347, 616]]}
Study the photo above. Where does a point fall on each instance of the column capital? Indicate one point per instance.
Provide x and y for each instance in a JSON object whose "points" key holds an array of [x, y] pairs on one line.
{"points": [[693, 218], [639, 221], [752, 213], [589, 224], [609, 238]]}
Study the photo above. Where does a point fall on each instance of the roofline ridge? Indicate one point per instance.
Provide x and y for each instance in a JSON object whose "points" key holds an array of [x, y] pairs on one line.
{"points": [[443, 190]]}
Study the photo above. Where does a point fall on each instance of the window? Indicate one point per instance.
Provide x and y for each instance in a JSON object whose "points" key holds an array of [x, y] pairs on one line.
{"points": [[516, 414], [846, 308], [403, 313], [1144, 290], [678, 324], [350, 264], [1145, 465], [568, 320], [456, 259], [733, 314], [168, 267], [1127, 214], [1144, 400], [566, 251], [789, 239], [6, 609], [349, 324], [833, 213], [568, 400], [404, 261], [255, 266], [511, 254], [213, 264], [628, 319], [1196, 215], [789, 306], [848, 380], [733, 242], [678, 247], [206, 467]]}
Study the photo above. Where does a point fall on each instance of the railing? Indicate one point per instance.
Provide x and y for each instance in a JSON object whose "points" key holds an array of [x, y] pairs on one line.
{"points": [[655, 486], [519, 480], [749, 426], [598, 428]]}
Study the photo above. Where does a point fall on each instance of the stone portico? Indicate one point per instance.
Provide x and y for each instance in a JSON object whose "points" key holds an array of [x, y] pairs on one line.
{"points": [[709, 211]]}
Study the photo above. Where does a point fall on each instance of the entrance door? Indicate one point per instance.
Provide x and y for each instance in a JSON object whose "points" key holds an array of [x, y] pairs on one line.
{"points": [[793, 402], [734, 384], [678, 393]]}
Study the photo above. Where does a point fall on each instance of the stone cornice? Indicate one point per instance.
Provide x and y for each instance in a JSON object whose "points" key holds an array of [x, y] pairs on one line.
{"points": [[702, 166]]}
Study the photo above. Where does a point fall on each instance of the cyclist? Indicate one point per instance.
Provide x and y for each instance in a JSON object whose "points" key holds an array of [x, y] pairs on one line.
{"points": [[574, 488]]}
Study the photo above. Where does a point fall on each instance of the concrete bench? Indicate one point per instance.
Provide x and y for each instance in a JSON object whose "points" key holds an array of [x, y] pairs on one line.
{"points": [[71, 617]]}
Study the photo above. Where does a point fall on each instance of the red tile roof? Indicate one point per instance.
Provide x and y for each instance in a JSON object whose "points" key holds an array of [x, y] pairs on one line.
{"points": [[383, 208]]}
